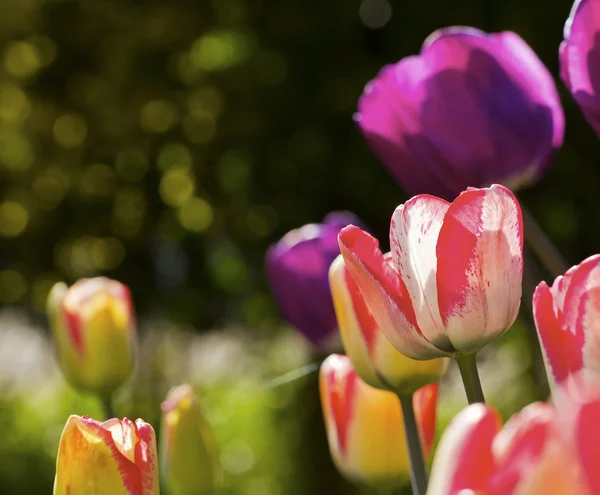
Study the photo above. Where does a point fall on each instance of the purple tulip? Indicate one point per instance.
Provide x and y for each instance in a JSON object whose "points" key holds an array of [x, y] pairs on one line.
{"points": [[472, 109], [580, 58], [298, 268]]}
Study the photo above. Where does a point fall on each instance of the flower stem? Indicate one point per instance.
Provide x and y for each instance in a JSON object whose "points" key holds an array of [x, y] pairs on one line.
{"points": [[542, 246], [108, 408], [467, 365], [418, 476]]}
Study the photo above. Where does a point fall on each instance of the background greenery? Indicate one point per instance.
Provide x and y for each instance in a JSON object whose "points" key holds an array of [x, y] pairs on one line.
{"points": [[167, 144]]}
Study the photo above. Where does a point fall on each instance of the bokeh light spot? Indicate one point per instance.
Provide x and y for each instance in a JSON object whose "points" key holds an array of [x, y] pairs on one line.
{"points": [[14, 104], [176, 186], [158, 116], [174, 155], [70, 131], [14, 217], [375, 13], [97, 181], [196, 215], [22, 59], [220, 50], [131, 165]]}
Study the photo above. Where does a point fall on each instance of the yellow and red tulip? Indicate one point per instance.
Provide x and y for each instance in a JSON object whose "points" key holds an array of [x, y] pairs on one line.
{"points": [[455, 281], [117, 457], [93, 325], [365, 428], [567, 317], [375, 360], [189, 459]]}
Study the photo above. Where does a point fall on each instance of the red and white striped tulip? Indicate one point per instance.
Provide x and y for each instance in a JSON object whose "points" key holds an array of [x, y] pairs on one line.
{"points": [[455, 281], [524, 458], [93, 325], [375, 360], [116, 457], [365, 428], [567, 318]]}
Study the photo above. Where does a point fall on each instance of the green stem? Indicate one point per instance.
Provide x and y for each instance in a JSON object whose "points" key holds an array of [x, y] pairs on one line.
{"points": [[467, 364], [108, 408], [542, 246], [418, 476]]}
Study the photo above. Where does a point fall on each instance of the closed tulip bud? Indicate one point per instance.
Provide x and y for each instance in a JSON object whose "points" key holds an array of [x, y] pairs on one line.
{"points": [[117, 457], [188, 451], [472, 109], [567, 318], [297, 268], [375, 360], [93, 325], [455, 281], [365, 428], [579, 58]]}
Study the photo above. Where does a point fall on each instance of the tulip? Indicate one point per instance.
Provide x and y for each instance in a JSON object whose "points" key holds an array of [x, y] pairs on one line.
{"points": [[375, 360], [471, 110], [94, 332], [567, 318], [111, 458], [579, 58], [297, 267], [476, 456], [188, 456], [455, 281], [364, 425]]}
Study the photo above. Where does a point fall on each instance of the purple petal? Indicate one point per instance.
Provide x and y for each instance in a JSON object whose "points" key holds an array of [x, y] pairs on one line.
{"points": [[471, 110], [580, 58], [298, 268]]}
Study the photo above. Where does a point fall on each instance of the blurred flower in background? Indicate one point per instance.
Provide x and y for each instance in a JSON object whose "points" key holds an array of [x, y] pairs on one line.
{"points": [[472, 109], [94, 329], [580, 56], [365, 428], [189, 458], [117, 457], [298, 268]]}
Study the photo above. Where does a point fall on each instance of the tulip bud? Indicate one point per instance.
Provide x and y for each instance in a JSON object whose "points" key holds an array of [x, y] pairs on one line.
{"points": [[188, 451], [567, 318], [94, 332], [297, 267], [440, 122], [365, 428], [111, 458], [579, 59], [455, 282], [375, 360]]}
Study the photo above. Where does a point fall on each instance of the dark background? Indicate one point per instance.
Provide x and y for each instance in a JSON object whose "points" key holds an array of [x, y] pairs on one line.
{"points": [[167, 144]]}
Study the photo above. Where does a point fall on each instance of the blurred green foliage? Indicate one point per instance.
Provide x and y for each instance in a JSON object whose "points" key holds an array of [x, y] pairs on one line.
{"points": [[167, 144]]}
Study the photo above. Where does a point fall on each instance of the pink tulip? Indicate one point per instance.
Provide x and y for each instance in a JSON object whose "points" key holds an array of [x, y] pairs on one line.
{"points": [[567, 317], [455, 281]]}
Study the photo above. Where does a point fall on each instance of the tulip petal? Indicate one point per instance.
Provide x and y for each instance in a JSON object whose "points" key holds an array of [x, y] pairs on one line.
{"points": [[414, 232], [518, 448], [385, 294], [388, 116], [464, 459], [581, 56], [145, 457], [562, 354], [424, 402], [471, 76], [581, 315], [587, 440], [480, 266]]}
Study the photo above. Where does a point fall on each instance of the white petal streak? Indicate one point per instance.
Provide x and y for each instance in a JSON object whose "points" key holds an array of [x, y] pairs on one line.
{"points": [[414, 233]]}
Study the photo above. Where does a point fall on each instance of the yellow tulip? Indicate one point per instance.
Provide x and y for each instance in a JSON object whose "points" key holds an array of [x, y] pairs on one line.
{"points": [[189, 459], [375, 360], [117, 457], [365, 426], [93, 325]]}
